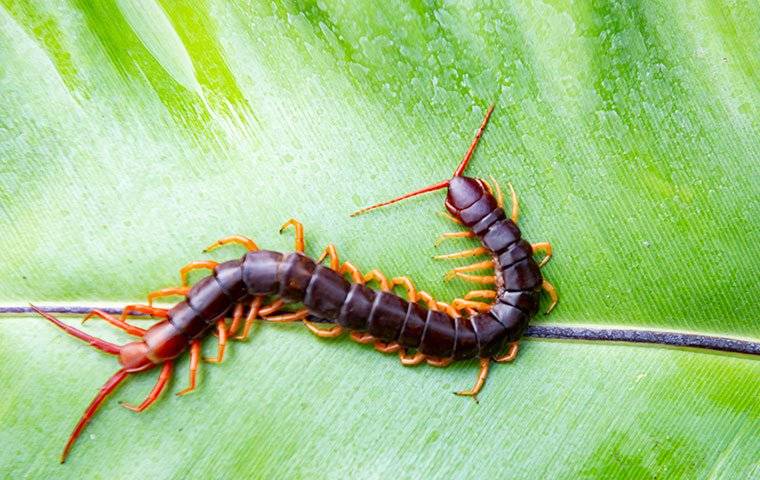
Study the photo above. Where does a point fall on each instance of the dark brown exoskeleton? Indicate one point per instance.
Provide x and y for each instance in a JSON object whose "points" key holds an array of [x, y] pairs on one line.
{"points": [[418, 327]]}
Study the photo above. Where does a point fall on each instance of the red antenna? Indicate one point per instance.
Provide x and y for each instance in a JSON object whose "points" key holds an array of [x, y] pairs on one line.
{"points": [[442, 184]]}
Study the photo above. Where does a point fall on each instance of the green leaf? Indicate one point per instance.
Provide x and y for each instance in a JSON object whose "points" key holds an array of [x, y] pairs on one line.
{"points": [[133, 134]]}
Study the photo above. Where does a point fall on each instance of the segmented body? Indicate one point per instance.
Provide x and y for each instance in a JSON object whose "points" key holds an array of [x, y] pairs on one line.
{"points": [[475, 329]]}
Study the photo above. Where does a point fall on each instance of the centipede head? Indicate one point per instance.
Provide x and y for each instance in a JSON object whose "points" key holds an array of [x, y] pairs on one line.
{"points": [[462, 191]]}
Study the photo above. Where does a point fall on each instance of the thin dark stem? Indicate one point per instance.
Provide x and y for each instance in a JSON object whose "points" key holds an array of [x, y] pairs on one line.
{"points": [[657, 337]]}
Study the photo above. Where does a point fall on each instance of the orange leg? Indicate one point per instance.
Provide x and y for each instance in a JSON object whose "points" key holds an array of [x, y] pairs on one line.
{"points": [[195, 357], [237, 317], [252, 314], [362, 337], [163, 378], [166, 292], [383, 347], [130, 329], [185, 271], [465, 253], [545, 247], [439, 362], [409, 361], [300, 244], [484, 280], [411, 292], [221, 330], [445, 307], [333, 332], [552, 292], [332, 252], [460, 304], [510, 355], [480, 294], [469, 268], [451, 217], [289, 317], [473, 392], [429, 300], [249, 244], [356, 275], [271, 308], [376, 275], [445, 236], [147, 309], [499, 194]]}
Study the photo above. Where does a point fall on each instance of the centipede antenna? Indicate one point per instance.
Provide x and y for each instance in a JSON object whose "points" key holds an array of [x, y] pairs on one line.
{"points": [[104, 391], [467, 156], [430, 188]]}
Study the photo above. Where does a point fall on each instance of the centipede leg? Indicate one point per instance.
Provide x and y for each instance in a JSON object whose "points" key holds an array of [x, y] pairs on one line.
{"points": [[95, 342], [332, 252], [130, 329], [252, 314], [195, 357], [545, 247], [515, 204], [104, 391], [289, 317], [349, 268], [332, 332], [439, 362], [510, 354], [411, 360], [362, 337], [486, 264], [473, 392], [167, 292], [406, 282], [197, 265], [222, 331], [464, 253], [484, 280], [490, 294], [249, 244], [448, 235], [552, 292], [163, 379], [460, 304], [376, 275], [384, 347], [146, 309], [300, 244], [451, 217]]}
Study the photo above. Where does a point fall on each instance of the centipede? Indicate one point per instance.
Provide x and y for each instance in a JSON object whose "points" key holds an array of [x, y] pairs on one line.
{"points": [[334, 298]]}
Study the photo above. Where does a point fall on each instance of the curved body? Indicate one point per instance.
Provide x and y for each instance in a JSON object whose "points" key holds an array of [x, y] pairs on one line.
{"points": [[438, 333]]}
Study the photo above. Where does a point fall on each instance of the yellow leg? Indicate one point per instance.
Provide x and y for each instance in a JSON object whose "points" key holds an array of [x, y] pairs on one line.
{"points": [[332, 252], [377, 276], [469, 268], [465, 253], [333, 332], [166, 292], [445, 236], [490, 294], [445, 307], [249, 244], [545, 247], [473, 392], [411, 292], [252, 314], [484, 280], [300, 243], [510, 355], [552, 292], [195, 356], [185, 271], [221, 329], [429, 300], [498, 194], [515, 204], [383, 347], [409, 361]]}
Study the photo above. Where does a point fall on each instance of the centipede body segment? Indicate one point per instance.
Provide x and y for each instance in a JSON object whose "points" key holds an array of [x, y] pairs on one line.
{"points": [[486, 324]]}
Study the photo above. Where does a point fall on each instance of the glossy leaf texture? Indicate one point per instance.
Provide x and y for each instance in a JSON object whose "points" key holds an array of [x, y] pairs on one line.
{"points": [[134, 133]]}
